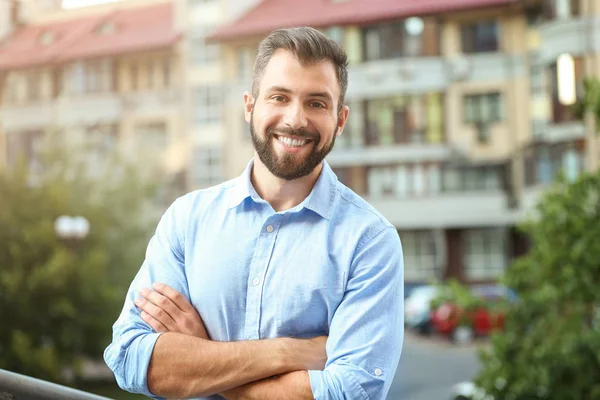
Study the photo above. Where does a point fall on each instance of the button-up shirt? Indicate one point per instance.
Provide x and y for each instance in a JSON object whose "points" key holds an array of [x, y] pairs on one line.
{"points": [[332, 266]]}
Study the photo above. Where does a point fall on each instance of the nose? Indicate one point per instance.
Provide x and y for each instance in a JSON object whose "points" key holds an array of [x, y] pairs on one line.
{"points": [[294, 116]]}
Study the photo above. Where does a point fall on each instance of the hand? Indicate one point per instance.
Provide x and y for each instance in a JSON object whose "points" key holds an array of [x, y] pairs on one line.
{"points": [[167, 310], [307, 354]]}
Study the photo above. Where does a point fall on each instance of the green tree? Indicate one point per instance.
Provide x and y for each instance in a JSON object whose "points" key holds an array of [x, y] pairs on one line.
{"points": [[550, 347], [59, 299]]}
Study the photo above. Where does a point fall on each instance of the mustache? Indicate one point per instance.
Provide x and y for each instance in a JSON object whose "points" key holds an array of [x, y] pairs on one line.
{"points": [[300, 133]]}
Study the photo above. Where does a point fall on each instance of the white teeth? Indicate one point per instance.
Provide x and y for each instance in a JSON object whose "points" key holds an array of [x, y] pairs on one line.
{"points": [[291, 142]]}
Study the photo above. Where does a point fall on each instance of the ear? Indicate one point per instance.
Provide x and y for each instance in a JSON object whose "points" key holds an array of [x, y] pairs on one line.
{"points": [[248, 106], [342, 119]]}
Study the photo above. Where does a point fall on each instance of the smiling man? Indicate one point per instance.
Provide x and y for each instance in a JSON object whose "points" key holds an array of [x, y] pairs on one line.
{"points": [[282, 283]]}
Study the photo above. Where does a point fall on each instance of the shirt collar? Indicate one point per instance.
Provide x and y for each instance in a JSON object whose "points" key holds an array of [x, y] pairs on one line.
{"points": [[242, 189], [320, 199]]}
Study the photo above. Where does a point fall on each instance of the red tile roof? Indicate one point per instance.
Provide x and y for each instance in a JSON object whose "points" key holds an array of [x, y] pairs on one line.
{"points": [[136, 29], [273, 14]]}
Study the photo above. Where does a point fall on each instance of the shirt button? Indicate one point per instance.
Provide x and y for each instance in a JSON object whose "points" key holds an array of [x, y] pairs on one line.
{"points": [[255, 281], [378, 372], [270, 228]]}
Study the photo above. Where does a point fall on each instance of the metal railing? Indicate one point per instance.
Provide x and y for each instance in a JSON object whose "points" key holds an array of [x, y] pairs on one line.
{"points": [[20, 387]]}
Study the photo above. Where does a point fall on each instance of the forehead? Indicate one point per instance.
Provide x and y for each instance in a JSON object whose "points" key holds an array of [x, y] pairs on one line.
{"points": [[285, 70]]}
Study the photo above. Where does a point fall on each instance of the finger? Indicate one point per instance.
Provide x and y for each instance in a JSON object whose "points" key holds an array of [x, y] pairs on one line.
{"points": [[177, 298], [162, 302], [156, 312], [153, 322]]}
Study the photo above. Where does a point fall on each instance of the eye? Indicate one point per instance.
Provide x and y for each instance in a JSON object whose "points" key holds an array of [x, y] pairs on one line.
{"points": [[317, 104], [278, 98]]}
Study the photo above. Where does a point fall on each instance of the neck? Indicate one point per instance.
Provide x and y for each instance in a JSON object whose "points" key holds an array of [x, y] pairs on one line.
{"points": [[282, 194]]}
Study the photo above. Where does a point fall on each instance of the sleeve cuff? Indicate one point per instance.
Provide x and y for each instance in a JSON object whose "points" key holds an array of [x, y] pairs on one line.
{"points": [[335, 383]]}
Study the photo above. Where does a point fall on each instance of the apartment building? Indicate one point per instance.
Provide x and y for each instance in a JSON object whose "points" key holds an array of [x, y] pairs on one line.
{"points": [[460, 114], [206, 87], [110, 76]]}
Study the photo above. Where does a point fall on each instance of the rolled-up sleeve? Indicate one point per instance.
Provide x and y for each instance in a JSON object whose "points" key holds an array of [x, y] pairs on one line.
{"points": [[367, 329], [128, 355]]}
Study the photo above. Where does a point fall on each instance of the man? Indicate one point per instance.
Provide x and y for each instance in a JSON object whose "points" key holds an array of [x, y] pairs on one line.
{"points": [[282, 283]]}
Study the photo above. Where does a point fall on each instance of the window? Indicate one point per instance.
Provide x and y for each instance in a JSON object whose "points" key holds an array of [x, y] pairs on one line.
{"points": [[561, 9], [244, 56], [23, 87], [336, 33], [480, 37], [90, 77], [403, 181], [544, 162], [482, 110], [165, 66], [353, 131], [405, 120], [101, 143], [418, 248], [207, 107], [207, 169], [481, 178], [202, 53], [33, 84], [485, 253], [411, 37], [10, 92], [566, 85], [24, 147]]}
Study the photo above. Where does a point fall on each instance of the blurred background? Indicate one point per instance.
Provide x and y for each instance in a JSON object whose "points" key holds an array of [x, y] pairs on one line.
{"points": [[463, 113]]}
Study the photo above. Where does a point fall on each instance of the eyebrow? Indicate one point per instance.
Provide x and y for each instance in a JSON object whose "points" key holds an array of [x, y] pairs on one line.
{"points": [[282, 89]]}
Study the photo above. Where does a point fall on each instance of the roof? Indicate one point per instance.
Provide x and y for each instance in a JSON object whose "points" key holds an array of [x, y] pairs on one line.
{"points": [[127, 30], [274, 14]]}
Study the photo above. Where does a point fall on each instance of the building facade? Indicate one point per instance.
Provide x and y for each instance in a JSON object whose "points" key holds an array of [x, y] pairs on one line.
{"points": [[460, 115]]}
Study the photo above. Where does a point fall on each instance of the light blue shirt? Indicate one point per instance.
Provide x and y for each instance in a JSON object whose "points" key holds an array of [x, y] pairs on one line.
{"points": [[330, 266]]}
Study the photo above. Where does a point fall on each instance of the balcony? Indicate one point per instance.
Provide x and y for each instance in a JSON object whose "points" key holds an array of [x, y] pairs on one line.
{"points": [[33, 116], [459, 209], [150, 102], [430, 74], [491, 67], [574, 36], [400, 75], [556, 133], [386, 155], [89, 109]]}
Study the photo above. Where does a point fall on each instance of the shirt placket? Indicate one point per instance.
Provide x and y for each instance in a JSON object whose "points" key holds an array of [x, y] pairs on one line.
{"points": [[256, 279]]}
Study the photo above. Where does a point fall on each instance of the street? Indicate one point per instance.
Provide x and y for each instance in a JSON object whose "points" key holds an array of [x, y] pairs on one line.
{"points": [[429, 367]]}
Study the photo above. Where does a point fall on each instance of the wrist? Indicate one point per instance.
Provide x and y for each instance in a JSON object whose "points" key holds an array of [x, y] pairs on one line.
{"points": [[289, 354]]}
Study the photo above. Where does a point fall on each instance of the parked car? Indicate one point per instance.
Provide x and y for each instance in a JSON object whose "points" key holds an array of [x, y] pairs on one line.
{"points": [[462, 326], [417, 308]]}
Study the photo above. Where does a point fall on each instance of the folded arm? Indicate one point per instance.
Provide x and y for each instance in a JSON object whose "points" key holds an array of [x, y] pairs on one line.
{"points": [[156, 364], [365, 334], [367, 329], [167, 310], [185, 366]]}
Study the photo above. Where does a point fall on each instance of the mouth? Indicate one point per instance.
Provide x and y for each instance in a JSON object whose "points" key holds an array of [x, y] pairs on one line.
{"points": [[292, 142]]}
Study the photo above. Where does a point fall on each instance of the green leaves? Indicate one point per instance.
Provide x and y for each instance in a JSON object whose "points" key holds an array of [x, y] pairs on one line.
{"points": [[551, 344], [58, 299]]}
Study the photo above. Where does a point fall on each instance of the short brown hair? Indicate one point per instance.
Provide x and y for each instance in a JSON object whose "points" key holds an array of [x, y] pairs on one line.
{"points": [[310, 46]]}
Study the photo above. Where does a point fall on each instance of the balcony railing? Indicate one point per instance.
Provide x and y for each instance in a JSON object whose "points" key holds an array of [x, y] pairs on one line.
{"points": [[20, 387]]}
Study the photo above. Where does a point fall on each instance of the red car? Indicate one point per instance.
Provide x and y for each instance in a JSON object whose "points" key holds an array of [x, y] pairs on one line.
{"points": [[462, 326]]}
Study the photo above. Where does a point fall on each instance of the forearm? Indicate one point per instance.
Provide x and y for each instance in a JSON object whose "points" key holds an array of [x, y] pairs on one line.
{"points": [[185, 366], [290, 386]]}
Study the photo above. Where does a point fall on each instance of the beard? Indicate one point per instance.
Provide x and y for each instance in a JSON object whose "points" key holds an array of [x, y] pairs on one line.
{"points": [[289, 166]]}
